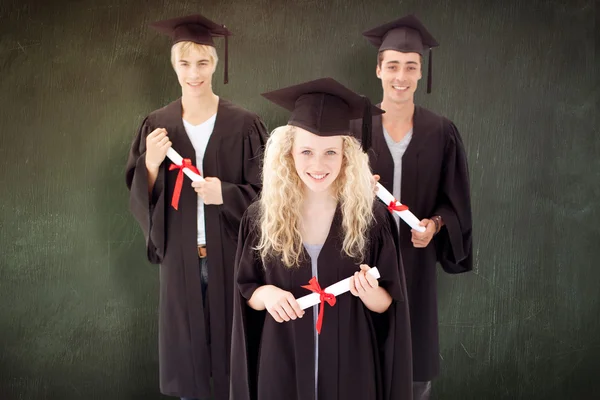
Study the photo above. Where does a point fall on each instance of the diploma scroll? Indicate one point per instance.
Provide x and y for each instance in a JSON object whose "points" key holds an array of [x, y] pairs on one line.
{"points": [[177, 160], [336, 289], [405, 214]]}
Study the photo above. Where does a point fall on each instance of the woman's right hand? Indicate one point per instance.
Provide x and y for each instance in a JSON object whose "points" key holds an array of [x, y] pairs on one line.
{"points": [[280, 304], [157, 144]]}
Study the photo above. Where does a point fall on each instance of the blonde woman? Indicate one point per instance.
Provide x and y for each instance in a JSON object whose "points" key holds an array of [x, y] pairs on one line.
{"points": [[317, 217], [191, 229]]}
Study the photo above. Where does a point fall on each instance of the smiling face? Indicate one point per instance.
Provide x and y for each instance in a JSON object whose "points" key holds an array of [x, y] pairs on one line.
{"points": [[194, 65], [318, 159], [399, 73]]}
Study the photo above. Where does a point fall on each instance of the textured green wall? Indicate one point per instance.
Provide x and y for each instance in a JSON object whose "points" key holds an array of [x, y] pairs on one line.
{"points": [[519, 78]]}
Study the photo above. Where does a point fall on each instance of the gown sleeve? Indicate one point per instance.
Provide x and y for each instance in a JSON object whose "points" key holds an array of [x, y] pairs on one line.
{"points": [[237, 197], [148, 209], [247, 322], [392, 328], [454, 241]]}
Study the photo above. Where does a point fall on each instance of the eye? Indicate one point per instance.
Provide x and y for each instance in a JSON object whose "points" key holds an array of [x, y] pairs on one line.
{"points": [[331, 153], [391, 68], [306, 152]]}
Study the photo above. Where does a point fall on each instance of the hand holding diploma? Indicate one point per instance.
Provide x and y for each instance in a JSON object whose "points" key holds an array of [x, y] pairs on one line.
{"points": [[279, 303], [210, 190], [157, 145], [363, 283], [421, 239]]}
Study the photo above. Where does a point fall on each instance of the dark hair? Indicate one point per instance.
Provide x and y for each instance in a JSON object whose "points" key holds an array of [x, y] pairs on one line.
{"points": [[380, 58]]}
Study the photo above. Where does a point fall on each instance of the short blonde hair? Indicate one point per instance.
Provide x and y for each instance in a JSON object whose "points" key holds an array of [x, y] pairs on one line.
{"points": [[180, 49]]}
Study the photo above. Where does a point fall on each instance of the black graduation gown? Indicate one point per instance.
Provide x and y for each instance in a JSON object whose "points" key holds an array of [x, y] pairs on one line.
{"points": [[435, 181], [358, 353], [187, 362]]}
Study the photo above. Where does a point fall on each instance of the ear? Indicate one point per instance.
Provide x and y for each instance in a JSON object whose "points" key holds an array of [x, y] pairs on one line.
{"points": [[378, 71]]}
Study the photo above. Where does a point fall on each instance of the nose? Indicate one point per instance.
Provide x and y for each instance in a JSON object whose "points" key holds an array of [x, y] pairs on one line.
{"points": [[194, 72], [399, 75], [320, 162]]}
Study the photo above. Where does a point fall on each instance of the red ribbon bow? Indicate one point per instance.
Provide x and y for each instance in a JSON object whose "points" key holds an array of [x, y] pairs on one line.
{"points": [[185, 163], [393, 206], [314, 286]]}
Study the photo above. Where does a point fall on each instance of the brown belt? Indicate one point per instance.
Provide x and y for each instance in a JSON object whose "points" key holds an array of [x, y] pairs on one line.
{"points": [[202, 251]]}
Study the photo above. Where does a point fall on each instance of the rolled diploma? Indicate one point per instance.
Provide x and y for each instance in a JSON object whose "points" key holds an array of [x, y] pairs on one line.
{"points": [[177, 159], [406, 215], [336, 289]]}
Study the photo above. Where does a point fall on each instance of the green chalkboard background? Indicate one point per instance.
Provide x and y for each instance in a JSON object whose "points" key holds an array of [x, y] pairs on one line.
{"points": [[78, 301]]}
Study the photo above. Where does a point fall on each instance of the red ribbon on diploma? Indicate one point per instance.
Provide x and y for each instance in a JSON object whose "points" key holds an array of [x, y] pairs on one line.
{"points": [[393, 206], [314, 286], [185, 163]]}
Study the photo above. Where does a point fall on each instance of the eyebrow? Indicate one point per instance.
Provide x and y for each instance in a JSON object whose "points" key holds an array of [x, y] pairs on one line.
{"points": [[398, 62], [310, 148], [201, 60]]}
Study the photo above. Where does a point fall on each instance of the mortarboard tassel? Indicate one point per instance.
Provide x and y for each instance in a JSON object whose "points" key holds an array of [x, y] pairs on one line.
{"points": [[366, 124], [226, 80], [429, 69]]}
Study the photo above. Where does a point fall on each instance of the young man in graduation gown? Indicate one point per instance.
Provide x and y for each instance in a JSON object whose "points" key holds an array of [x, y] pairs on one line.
{"points": [[191, 228], [421, 160], [317, 217]]}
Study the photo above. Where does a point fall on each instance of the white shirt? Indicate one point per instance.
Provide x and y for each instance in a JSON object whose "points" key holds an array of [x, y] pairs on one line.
{"points": [[199, 136], [397, 150]]}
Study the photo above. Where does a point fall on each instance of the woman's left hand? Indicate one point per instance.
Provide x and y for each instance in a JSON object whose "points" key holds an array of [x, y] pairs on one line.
{"points": [[362, 283]]}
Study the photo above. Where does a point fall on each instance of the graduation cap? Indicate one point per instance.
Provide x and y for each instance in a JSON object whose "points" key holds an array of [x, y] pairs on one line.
{"points": [[325, 107], [407, 35], [195, 28]]}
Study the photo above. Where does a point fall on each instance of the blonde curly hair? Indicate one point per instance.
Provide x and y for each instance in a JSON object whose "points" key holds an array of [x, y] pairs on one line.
{"points": [[283, 192]]}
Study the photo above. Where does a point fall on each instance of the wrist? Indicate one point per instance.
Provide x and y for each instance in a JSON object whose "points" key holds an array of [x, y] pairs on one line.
{"points": [[151, 166], [438, 221], [262, 290], [257, 301]]}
